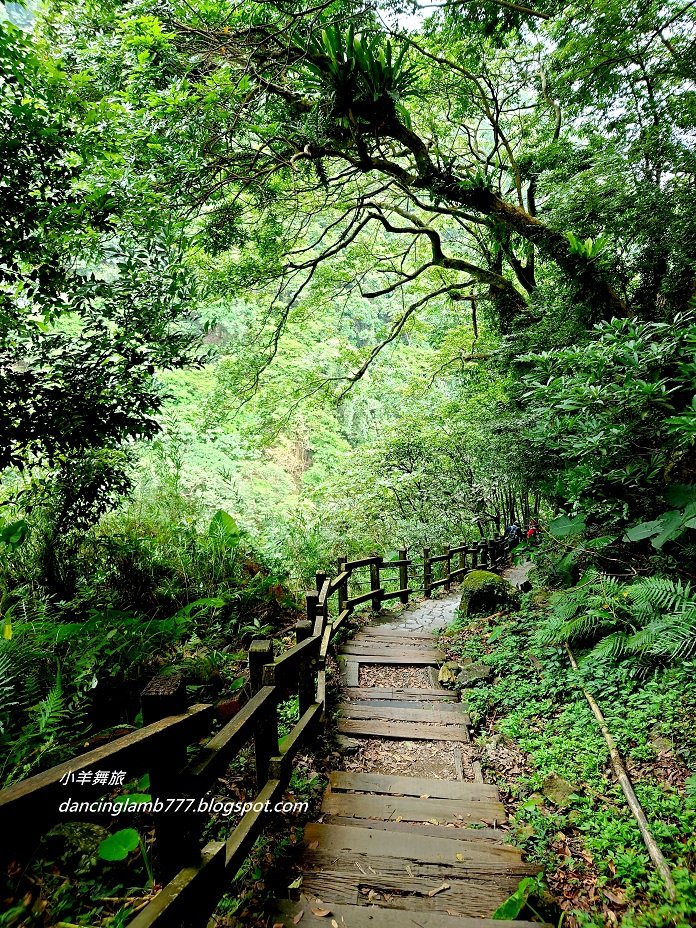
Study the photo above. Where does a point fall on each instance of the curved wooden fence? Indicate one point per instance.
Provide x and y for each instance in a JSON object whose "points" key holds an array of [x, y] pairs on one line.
{"points": [[195, 878]]}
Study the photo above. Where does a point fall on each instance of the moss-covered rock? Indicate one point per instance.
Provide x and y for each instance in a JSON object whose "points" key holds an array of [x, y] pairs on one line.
{"points": [[485, 592]]}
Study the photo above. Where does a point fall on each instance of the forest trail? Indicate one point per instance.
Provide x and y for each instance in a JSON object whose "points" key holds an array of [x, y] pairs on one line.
{"points": [[422, 850]]}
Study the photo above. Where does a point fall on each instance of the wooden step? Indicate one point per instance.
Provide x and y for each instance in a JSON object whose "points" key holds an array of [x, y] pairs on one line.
{"points": [[414, 847], [391, 644], [415, 658], [439, 716], [385, 628], [409, 809], [407, 692], [476, 895], [368, 916], [473, 833], [435, 704], [401, 640], [390, 784], [409, 731], [472, 865]]}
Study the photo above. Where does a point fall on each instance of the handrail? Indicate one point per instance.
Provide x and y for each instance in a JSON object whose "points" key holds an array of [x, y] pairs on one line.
{"points": [[190, 874]]}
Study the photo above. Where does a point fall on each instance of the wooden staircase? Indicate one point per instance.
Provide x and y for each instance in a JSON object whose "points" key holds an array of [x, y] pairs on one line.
{"points": [[399, 851]]}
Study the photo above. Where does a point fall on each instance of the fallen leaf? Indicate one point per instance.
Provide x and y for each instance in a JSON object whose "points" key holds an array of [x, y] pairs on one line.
{"points": [[618, 897], [398, 818], [459, 856], [320, 913], [298, 918], [440, 889], [425, 796], [313, 846], [334, 923]]}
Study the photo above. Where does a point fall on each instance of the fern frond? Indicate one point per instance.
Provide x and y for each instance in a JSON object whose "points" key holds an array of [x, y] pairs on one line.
{"points": [[662, 593], [614, 646], [51, 709]]}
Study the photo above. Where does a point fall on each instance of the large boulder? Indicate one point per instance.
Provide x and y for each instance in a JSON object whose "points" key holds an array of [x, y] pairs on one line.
{"points": [[484, 592]]}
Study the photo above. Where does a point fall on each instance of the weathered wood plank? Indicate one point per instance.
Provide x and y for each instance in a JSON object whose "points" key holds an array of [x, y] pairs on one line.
{"points": [[219, 751], [325, 641], [340, 619], [380, 645], [423, 640], [441, 582], [280, 767], [405, 591], [471, 864], [454, 708], [284, 670], [473, 896], [384, 692], [380, 629], [289, 914], [37, 798], [419, 658], [175, 902], [408, 809], [363, 562], [342, 780], [338, 581], [407, 730], [411, 846], [349, 672], [355, 710], [194, 891], [473, 833], [363, 598]]}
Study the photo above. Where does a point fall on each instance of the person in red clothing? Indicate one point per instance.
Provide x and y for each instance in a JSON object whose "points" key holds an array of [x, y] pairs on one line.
{"points": [[533, 531]]}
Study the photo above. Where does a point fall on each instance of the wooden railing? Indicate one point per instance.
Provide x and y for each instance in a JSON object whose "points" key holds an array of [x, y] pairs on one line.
{"points": [[195, 878]]}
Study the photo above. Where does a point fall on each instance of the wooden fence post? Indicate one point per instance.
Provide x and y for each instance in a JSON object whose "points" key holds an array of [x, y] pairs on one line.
{"points": [[484, 554], [448, 568], [374, 585], [427, 573], [403, 575], [343, 588], [462, 559], [474, 555], [306, 688], [312, 600], [176, 838], [266, 734], [320, 578]]}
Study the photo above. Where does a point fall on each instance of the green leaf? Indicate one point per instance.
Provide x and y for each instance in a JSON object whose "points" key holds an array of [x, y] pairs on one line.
{"points": [[514, 904], [672, 527], [222, 525], [596, 544], [643, 530], [14, 534], [562, 526], [119, 845], [132, 797], [681, 494]]}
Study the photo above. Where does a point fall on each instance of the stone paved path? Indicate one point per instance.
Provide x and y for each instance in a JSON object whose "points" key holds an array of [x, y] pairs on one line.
{"points": [[430, 615]]}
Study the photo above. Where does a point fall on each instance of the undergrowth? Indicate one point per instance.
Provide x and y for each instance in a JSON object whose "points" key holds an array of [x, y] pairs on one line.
{"points": [[595, 862]]}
